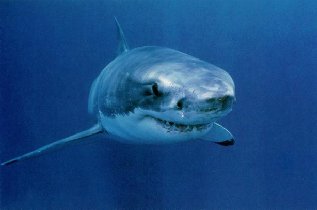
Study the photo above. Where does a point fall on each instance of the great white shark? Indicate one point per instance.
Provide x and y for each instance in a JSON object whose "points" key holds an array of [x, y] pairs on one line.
{"points": [[155, 95]]}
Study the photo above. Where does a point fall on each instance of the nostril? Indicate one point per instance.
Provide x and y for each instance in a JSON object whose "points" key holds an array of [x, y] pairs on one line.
{"points": [[180, 104]]}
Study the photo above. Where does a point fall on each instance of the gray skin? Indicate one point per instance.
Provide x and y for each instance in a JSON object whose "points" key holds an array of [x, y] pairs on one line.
{"points": [[154, 95], [159, 95]]}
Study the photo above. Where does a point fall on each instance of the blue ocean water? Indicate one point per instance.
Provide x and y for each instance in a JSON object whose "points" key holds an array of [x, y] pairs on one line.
{"points": [[51, 51]]}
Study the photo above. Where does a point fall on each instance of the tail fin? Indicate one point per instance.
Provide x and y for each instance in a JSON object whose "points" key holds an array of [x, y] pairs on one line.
{"points": [[78, 137]]}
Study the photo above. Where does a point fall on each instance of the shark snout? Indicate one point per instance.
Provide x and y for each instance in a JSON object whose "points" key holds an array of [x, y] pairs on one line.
{"points": [[214, 104], [218, 104]]}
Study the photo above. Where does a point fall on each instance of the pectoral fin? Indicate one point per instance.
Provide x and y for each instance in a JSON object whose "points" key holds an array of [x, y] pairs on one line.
{"points": [[78, 137], [219, 135]]}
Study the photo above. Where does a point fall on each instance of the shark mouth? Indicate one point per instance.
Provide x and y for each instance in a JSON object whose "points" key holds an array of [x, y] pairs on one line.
{"points": [[172, 126]]}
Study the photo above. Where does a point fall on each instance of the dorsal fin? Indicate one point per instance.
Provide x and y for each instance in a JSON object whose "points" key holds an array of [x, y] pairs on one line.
{"points": [[123, 46]]}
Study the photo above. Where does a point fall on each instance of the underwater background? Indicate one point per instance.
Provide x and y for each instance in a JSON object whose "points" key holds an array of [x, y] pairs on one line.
{"points": [[51, 51]]}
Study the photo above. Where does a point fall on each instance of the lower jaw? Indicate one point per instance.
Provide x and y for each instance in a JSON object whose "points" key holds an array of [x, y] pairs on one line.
{"points": [[182, 128]]}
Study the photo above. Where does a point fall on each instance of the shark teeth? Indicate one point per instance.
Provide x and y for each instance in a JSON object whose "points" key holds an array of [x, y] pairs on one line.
{"points": [[171, 126]]}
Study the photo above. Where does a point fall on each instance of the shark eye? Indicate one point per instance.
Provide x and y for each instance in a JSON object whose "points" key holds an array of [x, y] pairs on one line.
{"points": [[156, 90], [223, 99]]}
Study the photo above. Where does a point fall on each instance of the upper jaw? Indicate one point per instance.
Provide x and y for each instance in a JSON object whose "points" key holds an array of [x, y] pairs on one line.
{"points": [[183, 118], [180, 122]]}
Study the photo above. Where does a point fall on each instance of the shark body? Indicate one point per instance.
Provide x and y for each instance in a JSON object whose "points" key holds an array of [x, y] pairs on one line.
{"points": [[155, 95]]}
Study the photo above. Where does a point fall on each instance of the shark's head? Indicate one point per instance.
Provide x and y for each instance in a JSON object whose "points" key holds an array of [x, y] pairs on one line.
{"points": [[173, 99]]}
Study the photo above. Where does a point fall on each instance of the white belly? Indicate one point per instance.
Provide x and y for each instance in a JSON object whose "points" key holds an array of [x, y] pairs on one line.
{"points": [[134, 128]]}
